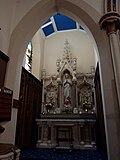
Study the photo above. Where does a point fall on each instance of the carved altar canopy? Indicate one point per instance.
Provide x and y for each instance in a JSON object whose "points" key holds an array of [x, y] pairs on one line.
{"points": [[68, 91]]}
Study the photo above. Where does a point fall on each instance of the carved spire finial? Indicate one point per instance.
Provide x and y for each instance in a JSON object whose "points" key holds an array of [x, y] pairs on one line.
{"points": [[67, 52], [67, 61]]}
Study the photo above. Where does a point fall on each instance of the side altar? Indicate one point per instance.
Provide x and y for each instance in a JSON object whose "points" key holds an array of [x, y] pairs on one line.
{"points": [[68, 114]]}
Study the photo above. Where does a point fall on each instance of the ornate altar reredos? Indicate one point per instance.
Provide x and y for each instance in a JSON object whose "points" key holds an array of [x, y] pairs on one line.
{"points": [[69, 91], [67, 116]]}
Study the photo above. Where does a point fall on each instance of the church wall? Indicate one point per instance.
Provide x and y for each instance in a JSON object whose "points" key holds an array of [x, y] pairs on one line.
{"points": [[14, 12], [97, 4], [119, 6], [8, 136], [21, 8], [38, 54], [42, 45], [6, 8], [96, 57], [28, 4], [15, 63], [81, 48], [17, 47]]}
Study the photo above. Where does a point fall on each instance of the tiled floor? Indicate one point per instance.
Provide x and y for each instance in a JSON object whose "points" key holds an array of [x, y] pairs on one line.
{"points": [[50, 154]]}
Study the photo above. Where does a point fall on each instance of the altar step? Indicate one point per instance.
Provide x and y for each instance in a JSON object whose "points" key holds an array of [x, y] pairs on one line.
{"points": [[63, 149]]}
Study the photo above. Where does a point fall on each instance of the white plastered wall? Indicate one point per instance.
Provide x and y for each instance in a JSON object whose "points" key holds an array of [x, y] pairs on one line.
{"points": [[10, 128], [81, 47], [97, 4], [6, 10], [12, 12], [38, 54]]}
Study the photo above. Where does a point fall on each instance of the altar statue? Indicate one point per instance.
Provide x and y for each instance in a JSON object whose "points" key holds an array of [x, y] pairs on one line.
{"points": [[67, 91]]}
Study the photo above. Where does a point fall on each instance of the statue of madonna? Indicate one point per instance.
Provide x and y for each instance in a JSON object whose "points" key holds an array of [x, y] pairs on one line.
{"points": [[67, 88]]}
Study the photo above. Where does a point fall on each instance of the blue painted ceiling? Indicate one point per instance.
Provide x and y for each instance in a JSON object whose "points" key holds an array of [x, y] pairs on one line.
{"points": [[59, 22]]}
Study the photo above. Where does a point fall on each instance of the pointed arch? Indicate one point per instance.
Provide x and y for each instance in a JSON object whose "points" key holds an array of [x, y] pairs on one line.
{"points": [[83, 13]]}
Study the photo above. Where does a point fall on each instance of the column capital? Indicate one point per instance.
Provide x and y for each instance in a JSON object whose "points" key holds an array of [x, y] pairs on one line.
{"points": [[110, 22]]}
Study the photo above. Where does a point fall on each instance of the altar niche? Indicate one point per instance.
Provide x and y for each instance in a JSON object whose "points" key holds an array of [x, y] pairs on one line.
{"points": [[67, 91], [64, 136], [65, 132], [68, 115]]}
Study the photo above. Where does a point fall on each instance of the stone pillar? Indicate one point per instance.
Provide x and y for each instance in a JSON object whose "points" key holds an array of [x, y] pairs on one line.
{"points": [[44, 135], [43, 76], [111, 94], [60, 93], [49, 133], [42, 106], [82, 134], [39, 135], [75, 136], [115, 51], [93, 134], [39, 132], [74, 95], [109, 23], [53, 136]]}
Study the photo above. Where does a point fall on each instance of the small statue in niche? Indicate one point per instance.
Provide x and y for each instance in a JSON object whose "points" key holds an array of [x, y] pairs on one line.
{"points": [[86, 99], [50, 101], [67, 88]]}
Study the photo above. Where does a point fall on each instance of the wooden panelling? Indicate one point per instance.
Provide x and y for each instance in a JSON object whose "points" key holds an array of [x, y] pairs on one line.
{"points": [[29, 108], [3, 64], [5, 104]]}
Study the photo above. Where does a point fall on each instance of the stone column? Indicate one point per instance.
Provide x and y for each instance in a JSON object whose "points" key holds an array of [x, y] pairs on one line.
{"points": [[75, 136], [42, 106], [44, 134], [49, 133], [93, 134], [53, 136], [74, 95], [60, 94], [39, 135], [39, 132], [111, 86], [109, 22], [43, 76], [82, 133]]}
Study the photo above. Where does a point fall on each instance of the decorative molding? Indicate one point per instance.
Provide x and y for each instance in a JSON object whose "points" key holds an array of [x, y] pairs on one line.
{"points": [[85, 96], [50, 93], [111, 6], [110, 22], [67, 62], [60, 92]]}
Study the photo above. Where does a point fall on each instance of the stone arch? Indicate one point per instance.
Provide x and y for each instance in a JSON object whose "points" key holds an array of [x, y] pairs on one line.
{"points": [[78, 10], [26, 28]]}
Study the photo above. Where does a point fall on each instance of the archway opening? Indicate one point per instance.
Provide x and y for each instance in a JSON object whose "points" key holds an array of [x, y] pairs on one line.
{"points": [[57, 52], [22, 25]]}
